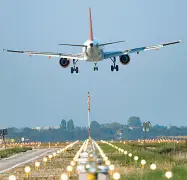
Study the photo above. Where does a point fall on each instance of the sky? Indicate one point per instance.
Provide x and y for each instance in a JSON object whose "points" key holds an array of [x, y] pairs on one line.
{"points": [[36, 91]]}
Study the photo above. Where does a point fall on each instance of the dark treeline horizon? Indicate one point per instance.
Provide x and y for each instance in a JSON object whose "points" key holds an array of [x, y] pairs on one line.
{"points": [[110, 131]]}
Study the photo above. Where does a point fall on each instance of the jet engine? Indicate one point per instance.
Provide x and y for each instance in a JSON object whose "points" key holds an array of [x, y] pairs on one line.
{"points": [[124, 59], [64, 62]]}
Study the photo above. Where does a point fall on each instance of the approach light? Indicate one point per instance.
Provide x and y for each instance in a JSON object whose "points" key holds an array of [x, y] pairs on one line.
{"points": [[72, 163], [64, 176], [136, 158], [168, 174], [69, 168], [116, 176], [37, 165], [107, 163], [50, 156], [105, 158], [27, 171], [87, 166], [153, 166], [111, 167], [44, 159], [12, 177], [143, 162]]}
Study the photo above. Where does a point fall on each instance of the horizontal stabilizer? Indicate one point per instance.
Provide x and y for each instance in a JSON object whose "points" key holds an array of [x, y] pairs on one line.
{"points": [[79, 45], [111, 43]]}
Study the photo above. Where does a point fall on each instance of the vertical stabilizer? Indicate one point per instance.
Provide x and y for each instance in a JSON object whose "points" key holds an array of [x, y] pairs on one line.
{"points": [[90, 20]]}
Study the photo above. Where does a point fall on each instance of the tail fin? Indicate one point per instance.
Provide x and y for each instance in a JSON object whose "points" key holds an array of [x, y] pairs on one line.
{"points": [[91, 30]]}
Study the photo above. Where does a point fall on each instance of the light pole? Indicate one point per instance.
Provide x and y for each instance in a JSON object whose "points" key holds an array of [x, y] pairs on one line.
{"points": [[37, 165], [143, 162], [27, 171], [130, 155], [153, 168], [54, 155], [45, 160], [89, 115], [3, 133], [145, 129], [125, 152], [69, 170], [111, 168], [136, 159], [50, 156]]}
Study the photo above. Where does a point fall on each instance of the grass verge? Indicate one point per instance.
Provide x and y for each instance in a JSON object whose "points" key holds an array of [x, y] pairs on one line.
{"points": [[9, 152]]}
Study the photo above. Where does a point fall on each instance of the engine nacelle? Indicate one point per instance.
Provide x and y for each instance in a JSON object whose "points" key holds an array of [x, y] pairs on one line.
{"points": [[124, 59], [64, 62]]}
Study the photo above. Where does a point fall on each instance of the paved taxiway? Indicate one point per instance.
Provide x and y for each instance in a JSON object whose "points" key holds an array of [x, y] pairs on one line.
{"points": [[22, 158]]}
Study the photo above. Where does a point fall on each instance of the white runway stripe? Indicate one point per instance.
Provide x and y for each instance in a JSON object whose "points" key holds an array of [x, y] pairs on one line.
{"points": [[19, 164]]}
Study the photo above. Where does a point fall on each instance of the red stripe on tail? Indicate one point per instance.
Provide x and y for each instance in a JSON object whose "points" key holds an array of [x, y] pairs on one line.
{"points": [[90, 19]]}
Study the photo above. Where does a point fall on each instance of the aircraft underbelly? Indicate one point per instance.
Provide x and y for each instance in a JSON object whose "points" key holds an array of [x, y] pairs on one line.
{"points": [[94, 54]]}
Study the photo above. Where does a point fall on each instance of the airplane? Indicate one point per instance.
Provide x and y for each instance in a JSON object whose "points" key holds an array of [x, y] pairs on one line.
{"points": [[92, 51]]}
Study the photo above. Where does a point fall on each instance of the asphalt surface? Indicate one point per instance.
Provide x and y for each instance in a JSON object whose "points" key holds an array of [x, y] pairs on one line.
{"points": [[22, 158]]}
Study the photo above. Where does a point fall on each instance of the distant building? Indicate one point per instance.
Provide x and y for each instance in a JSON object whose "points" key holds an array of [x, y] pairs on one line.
{"points": [[134, 127], [46, 128], [55, 127]]}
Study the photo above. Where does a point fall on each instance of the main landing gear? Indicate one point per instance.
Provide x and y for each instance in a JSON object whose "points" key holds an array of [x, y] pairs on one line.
{"points": [[95, 67], [114, 67], [74, 68]]}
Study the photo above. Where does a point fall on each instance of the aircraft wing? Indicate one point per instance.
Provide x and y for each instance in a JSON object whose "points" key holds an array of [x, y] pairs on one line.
{"points": [[50, 54], [137, 50]]}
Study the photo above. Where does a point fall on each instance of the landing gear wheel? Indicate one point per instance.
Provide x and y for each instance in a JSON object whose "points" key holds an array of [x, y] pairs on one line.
{"points": [[112, 68], [117, 68], [72, 70], [77, 69], [95, 68]]}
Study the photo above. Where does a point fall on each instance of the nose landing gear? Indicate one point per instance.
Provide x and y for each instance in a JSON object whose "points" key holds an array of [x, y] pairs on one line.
{"points": [[114, 67], [96, 67]]}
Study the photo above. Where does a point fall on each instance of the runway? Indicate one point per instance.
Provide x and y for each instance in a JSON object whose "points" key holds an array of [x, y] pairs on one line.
{"points": [[22, 158]]}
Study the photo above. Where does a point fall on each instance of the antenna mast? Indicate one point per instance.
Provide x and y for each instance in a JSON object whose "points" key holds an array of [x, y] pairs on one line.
{"points": [[89, 115]]}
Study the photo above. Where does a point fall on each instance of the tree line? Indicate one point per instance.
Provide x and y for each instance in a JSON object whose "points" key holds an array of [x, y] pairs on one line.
{"points": [[67, 131]]}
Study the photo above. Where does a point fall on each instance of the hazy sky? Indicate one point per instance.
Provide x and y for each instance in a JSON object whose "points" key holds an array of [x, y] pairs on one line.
{"points": [[35, 91]]}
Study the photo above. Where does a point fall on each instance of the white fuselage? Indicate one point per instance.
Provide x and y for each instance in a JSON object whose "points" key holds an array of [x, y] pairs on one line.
{"points": [[92, 51]]}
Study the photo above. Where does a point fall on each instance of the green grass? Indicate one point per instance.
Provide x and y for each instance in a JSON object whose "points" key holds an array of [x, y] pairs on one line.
{"points": [[149, 156], [179, 173], [9, 152], [161, 155]]}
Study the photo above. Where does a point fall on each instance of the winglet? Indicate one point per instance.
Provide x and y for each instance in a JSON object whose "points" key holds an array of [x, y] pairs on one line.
{"points": [[90, 20]]}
